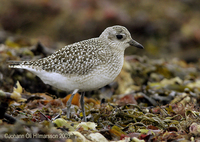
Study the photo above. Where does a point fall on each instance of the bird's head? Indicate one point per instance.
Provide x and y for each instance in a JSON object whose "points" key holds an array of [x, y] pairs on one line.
{"points": [[119, 37]]}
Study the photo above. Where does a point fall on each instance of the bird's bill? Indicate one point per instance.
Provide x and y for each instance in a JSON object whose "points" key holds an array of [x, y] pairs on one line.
{"points": [[136, 44]]}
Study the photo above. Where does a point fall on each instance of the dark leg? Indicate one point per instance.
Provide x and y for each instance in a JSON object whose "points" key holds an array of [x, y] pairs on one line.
{"points": [[69, 102], [82, 105]]}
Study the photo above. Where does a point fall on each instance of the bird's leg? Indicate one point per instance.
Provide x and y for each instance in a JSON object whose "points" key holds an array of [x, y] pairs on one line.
{"points": [[82, 105], [69, 102]]}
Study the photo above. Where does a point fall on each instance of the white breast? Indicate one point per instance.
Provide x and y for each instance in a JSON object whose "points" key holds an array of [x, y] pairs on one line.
{"points": [[96, 79]]}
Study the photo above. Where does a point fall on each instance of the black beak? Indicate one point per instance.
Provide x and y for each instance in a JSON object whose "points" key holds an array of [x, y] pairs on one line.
{"points": [[136, 44]]}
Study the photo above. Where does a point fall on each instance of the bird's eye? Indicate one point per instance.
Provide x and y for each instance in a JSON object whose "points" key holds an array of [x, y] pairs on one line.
{"points": [[119, 36]]}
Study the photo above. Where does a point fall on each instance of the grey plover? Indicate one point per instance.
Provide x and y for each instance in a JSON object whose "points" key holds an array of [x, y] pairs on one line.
{"points": [[85, 65]]}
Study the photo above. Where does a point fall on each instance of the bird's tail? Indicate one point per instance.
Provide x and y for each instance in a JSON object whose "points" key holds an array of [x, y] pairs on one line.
{"points": [[14, 64]]}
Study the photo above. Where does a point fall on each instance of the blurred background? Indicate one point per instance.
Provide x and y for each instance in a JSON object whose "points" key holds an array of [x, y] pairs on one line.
{"points": [[167, 29]]}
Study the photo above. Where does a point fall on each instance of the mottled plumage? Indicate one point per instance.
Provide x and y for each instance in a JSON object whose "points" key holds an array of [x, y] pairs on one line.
{"points": [[85, 65], [79, 58]]}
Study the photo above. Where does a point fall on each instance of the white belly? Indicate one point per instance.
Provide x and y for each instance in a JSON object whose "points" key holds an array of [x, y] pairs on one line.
{"points": [[93, 81]]}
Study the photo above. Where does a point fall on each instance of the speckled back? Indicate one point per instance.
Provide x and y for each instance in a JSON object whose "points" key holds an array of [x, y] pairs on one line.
{"points": [[79, 58]]}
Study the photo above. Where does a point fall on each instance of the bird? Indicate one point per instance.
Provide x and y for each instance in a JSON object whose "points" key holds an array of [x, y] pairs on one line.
{"points": [[83, 66]]}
